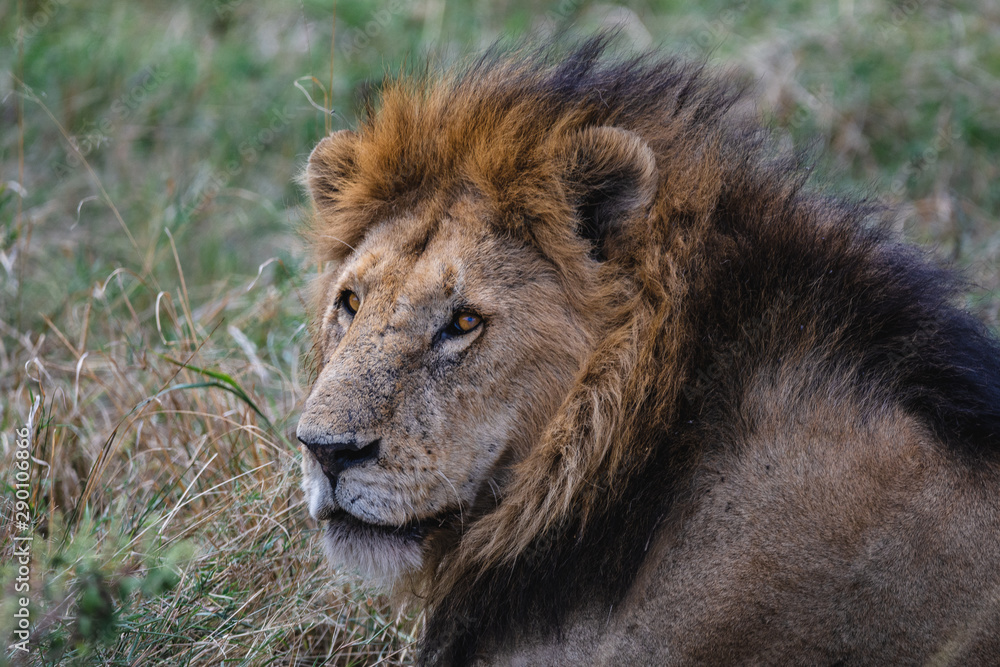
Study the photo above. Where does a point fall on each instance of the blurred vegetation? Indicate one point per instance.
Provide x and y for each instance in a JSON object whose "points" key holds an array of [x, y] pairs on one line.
{"points": [[149, 215]]}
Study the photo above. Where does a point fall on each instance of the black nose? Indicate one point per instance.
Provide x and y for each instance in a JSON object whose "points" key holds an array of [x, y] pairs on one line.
{"points": [[336, 457]]}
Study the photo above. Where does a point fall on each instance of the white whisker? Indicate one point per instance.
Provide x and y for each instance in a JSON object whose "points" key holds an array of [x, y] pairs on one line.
{"points": [[461, 518], [338, 240]]}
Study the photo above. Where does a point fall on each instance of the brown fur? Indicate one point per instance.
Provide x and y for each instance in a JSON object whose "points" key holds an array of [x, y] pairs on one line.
{"points": [[708, 417]]}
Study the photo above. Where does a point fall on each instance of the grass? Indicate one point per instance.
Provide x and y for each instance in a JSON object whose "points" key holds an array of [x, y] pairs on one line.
{"points": [[152, 327]]}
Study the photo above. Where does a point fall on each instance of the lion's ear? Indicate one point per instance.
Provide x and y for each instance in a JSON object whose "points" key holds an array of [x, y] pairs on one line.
{"points": [[330, 164], [610, 175]]}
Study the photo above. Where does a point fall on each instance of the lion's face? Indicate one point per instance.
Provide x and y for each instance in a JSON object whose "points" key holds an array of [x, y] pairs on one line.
{"points": [[447, 335], [444, 349]]}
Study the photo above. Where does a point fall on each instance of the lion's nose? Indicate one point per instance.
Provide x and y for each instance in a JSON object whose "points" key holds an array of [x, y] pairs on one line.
{"points": [[337, 455]]}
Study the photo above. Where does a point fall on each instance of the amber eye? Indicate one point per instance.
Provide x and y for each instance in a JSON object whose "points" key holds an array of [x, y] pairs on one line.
{"points": [[350, 302], [463, 323]]}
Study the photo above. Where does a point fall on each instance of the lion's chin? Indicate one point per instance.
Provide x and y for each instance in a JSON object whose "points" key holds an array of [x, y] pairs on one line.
{"points": [[381, 554]]}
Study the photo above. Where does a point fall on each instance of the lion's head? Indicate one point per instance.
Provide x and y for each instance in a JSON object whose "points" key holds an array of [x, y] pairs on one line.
{"points": [[449, 330]]}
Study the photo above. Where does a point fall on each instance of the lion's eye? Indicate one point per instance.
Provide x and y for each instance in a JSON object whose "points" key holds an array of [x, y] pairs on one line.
{"points": [[463, 323], [350, 302]]}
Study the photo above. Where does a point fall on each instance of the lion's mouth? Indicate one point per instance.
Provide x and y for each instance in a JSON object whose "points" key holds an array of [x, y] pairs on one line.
{"points": [[342, 521]]}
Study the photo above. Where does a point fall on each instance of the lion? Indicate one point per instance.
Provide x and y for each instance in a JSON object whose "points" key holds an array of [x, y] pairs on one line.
{"points": [[601, 382]]}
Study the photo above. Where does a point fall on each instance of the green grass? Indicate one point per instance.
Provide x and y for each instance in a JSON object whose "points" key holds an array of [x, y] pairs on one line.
{"points": [[149, 215]]}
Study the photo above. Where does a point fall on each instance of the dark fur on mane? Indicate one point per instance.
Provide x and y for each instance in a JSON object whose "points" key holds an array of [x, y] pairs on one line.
{"points": [[749, 271]]}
